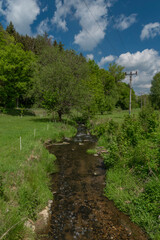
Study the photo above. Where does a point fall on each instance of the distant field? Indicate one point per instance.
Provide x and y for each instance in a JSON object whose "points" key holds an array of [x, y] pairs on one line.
{"points": [[116, 115]]}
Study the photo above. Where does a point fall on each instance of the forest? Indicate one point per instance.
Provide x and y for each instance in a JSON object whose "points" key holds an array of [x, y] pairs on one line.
{"points": [[36, 73]]}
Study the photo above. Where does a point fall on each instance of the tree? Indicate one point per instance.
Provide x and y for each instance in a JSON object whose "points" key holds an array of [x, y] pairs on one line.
{"points": [[117, 72], [16, 70], [95, 87], [10, 29], [123, 95], [55, 44], [155, 91], [58, 82]]}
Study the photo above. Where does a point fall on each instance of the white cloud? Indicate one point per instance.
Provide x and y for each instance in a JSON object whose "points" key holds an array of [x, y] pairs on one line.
{"points": [[92, 17], [147, 63], [150, 30], [90, 56], [63, 9], [45, 9], [21, 12], [43, 27], [123, 22], [2, 12], [105, 60]]}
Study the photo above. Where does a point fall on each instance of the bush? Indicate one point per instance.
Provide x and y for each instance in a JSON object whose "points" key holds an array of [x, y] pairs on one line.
{"points": [[100, 129], [145, 159], [131, 130], [149, 119]]}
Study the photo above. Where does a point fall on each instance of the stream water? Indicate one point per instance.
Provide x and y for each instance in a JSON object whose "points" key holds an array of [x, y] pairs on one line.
{"points": [[80, 209]]}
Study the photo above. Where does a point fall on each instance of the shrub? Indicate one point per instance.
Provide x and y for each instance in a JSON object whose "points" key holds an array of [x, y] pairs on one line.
{"points": [[100, 129], [131, 130], [149, 119]]}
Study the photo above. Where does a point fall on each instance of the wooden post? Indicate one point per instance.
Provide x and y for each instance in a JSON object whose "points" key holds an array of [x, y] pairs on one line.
{"points": [[130, 95], [20, 143], [34, 133]]}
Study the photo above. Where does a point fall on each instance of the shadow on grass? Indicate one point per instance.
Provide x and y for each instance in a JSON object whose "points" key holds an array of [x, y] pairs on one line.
{"points": [[39, 119], [18, 112], [55, 120]]}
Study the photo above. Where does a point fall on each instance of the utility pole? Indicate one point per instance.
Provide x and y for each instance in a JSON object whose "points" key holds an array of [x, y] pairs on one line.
{"points": [[130, 95]]}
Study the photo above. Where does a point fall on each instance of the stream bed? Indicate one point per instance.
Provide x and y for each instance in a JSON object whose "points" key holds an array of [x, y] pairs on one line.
{"points": [[80, 210]]}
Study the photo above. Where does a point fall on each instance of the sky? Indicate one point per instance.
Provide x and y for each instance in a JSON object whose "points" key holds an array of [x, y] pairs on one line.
{"points": [[126, 32]]}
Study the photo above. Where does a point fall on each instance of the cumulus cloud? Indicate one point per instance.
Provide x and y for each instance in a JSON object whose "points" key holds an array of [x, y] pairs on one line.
{"points": [[21, 12], [63, 9], [90, 56], [105, 60], [43, 27], [147, 63], [150, 30], [92, 17], [123, 22]]}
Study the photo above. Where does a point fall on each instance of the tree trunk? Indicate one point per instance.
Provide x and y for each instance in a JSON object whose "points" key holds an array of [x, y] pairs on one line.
{"points": [[60, 115]]}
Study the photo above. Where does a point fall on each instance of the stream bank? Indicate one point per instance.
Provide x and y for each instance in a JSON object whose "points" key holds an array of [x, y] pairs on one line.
{"points": [[80, 210]]}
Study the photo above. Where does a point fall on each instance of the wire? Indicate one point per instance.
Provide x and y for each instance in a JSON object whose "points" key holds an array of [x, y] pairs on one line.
{"points": [[114, 49]]}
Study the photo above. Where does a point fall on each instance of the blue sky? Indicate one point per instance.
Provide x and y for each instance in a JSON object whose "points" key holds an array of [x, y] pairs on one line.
{"points": [[124, 31]]}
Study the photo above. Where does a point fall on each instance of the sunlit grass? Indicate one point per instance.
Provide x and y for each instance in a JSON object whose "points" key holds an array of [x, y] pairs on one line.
{"points": [[116, 115], [25, 167]]}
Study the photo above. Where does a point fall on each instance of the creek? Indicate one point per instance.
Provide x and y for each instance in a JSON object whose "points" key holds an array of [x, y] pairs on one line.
{"points": [[80, 210]]}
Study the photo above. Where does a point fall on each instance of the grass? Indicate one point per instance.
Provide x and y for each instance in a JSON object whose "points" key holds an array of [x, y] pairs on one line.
{"points": [[127, 192], [24, 174], [91, 151], [134, 189], [117, 115]]}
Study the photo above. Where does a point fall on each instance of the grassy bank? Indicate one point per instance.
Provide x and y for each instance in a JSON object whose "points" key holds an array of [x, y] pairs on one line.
{"points": [[132, 161], [25, 166]]}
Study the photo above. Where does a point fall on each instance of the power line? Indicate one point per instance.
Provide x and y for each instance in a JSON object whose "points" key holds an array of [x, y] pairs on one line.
{"points": [[114, 49]]}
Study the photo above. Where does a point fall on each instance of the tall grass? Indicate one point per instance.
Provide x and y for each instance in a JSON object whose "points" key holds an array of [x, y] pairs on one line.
{"points": [[24, 174]]}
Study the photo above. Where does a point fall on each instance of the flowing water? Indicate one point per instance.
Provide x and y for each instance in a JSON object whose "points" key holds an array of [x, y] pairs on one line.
{"points": [[80, 209]]}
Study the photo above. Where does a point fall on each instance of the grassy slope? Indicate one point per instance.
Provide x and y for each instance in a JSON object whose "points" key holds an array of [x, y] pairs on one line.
{"points": [[24, 175]]}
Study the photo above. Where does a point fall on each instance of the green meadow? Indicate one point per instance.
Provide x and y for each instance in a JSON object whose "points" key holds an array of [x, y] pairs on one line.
{"points": [[25, 167]]}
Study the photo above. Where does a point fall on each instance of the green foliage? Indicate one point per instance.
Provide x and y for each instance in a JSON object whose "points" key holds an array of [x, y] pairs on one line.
{"points": [[155, 91], [133, 163], [123, 90], [91, 151], [99, 129], [112, 156], [149, 119], [145, 159], [103, 86], [28, 201], [138, 199], [117, 72], [59, 80], [131, 130], [25, 175], [16, 71]]}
